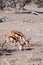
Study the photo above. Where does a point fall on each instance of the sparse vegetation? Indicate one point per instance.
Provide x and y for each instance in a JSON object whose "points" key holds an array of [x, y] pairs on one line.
{"points": [[12, 3]]}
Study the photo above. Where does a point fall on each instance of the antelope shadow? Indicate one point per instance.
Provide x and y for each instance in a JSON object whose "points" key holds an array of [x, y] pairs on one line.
{"points": [[6, 52], [9, 51], [28, 49]]}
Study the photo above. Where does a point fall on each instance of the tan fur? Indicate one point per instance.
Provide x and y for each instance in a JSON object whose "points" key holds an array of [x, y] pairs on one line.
{"points": [[19, 38], [8, 39], [21, 35]]}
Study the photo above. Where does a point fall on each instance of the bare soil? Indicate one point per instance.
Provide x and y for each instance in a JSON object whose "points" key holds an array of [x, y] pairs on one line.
{"points": [[32, 55]]}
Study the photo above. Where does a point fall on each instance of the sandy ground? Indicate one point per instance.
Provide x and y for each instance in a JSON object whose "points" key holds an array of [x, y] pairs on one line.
{"points": [[32, 55]]}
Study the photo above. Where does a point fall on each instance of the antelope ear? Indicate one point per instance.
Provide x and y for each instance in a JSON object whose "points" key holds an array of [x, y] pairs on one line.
{"points": [[11, 31]]}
